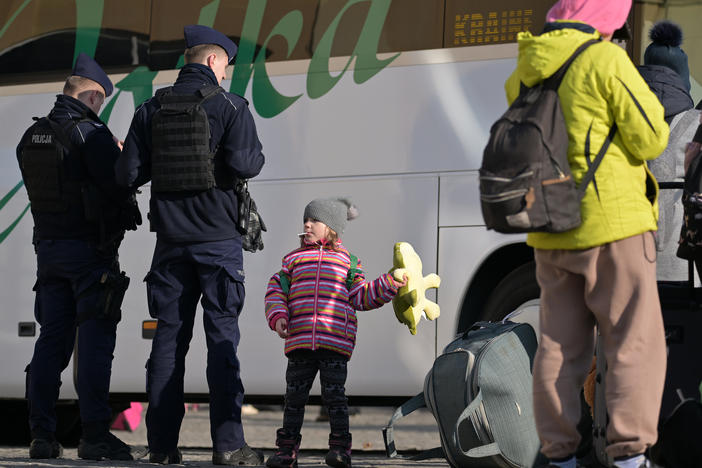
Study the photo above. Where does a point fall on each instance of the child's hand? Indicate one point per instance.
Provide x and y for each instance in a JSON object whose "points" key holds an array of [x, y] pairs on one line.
{"points": [[399, 284], [281, 327]]}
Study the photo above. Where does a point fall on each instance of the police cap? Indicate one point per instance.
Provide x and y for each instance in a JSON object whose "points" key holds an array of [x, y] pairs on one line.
{"points": [[88, 68], [196, 34]]}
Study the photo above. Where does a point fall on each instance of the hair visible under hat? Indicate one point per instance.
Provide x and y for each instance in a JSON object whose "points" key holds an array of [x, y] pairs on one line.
{"points": [[665, 50], [334, 212]]}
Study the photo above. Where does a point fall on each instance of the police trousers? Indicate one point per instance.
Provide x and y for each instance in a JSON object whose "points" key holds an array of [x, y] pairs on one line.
{"points": [[67, 272], [180, 276], [614, 287]]}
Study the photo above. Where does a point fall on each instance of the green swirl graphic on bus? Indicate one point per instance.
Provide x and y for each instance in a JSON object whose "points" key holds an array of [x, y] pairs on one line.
{"points": [[250, 64]]}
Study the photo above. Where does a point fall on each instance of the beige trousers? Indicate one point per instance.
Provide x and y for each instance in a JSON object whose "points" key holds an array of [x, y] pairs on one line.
{"points": [[613, 286]]}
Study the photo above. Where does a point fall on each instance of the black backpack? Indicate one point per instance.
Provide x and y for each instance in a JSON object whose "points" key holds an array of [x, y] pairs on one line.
{"points": [[525, 179], [181, 159]]}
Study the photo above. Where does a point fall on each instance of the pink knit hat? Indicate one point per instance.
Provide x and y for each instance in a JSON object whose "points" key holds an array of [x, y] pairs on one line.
{"points": [[604, 15]]}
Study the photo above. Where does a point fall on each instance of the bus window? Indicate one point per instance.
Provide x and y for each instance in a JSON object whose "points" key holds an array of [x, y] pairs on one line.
{"points": [[39, 42], [472, 23]]}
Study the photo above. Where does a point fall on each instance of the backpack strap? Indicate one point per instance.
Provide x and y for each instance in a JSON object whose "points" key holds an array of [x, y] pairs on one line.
{"points": [[284, 282], [209, 91], [408, 407], [554, 81], [167, 98], [163, 92], [590, 174], [353, 269]]}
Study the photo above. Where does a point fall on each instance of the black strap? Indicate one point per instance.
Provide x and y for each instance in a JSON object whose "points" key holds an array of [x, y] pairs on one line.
{"points": [[408, 407], [590, 174], [61, 133], [558, 25], [554, 81], [164, 96]]}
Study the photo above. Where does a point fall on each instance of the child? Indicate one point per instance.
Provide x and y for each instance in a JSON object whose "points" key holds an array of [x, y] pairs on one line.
{"points": [[313, 308]]}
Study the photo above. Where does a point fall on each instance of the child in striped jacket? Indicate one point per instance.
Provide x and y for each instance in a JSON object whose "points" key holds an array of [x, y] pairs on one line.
{"points": [[311, 303]]}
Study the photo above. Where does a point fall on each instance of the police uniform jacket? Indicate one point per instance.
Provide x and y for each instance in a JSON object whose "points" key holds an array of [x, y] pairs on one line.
{"points": [[94, 164], [196, 216], [602, 87]]}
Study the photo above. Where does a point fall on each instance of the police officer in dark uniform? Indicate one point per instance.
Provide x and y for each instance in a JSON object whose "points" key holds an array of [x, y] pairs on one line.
{"points": [[80, 215], [194, 141]]}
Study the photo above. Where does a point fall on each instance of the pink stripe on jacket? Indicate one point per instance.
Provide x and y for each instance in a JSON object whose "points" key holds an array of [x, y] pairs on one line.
{"points": [[320, 310]]}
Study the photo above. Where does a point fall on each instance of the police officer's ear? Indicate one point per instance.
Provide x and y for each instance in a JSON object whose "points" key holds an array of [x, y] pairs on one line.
{"points": [[211, 60]]}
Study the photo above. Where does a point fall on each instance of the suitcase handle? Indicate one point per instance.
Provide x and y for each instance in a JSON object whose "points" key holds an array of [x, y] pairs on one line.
{"points": [[472, 413]]}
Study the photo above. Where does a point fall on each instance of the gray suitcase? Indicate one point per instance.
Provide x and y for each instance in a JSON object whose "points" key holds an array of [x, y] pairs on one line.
{"points": [[480, 393]]}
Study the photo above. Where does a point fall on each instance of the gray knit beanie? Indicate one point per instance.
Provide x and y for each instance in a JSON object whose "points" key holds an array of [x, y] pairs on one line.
{"points": [[334, 212]]}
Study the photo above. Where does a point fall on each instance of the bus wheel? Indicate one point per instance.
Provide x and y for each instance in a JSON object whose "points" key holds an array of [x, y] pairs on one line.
{"points": [[516, 296]]}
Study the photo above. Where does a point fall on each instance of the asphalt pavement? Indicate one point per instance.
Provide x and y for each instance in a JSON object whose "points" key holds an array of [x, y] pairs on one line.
{"points": [[413, 434]]}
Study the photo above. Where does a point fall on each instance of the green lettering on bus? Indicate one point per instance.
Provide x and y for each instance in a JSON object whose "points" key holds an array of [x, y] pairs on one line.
{"points": [[267, 101], [320, 81], [88, 24], [3, 202]]}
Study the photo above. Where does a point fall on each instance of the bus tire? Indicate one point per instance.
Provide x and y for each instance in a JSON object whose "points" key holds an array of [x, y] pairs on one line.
{"points": [[517, 288]]}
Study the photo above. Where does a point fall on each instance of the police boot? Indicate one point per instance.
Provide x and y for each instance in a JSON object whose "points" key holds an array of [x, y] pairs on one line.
{"points": [[44, 445], [339, 455], [288, 446], [245, 456], [98, 443]]}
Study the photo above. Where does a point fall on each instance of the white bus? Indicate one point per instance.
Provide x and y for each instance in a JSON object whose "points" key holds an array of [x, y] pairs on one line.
{"points": [[387, 101]]}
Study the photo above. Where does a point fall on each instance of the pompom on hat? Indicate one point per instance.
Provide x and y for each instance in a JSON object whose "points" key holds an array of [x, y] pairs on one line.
{"points": [[604, 15], [334, 212], [665, 50]]}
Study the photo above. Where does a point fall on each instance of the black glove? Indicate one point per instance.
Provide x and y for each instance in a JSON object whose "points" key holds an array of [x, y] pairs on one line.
{"points": [[130, 216]]}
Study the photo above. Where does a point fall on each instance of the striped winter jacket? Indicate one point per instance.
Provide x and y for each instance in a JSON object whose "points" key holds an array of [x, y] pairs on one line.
{"points": [[321, 311]]}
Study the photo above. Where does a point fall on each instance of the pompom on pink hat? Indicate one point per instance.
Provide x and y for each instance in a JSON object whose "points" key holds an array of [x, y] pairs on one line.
{"points": [[604, 15]]}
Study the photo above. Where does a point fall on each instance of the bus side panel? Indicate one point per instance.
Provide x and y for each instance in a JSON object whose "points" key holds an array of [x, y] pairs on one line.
{"points": [[406, 119], [461, 251]]}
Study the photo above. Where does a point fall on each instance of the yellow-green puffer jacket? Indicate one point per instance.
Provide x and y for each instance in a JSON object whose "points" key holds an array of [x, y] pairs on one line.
{"points": [[601, 87]]}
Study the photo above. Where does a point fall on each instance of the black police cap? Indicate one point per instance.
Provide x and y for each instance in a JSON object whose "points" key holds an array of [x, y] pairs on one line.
{"points": [[196, 34], [88, 68]]}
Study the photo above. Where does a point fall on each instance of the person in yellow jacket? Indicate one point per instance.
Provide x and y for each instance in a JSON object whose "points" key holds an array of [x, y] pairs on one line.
{"points": [[604, 271]]}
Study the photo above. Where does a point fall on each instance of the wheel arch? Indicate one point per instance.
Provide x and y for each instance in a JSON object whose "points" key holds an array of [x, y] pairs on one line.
{"points": [[486, 278]]}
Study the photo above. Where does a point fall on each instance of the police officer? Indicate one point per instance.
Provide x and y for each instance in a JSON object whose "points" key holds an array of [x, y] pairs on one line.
{"points": [[80, 214], [194, 141]]}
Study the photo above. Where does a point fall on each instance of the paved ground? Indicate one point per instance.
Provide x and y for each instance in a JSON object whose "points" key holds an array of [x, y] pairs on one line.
{"points": [[414, 433]]}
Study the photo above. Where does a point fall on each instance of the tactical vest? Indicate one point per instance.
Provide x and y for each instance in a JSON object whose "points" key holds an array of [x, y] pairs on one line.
{"points": [[43, 165], [181, 158]]}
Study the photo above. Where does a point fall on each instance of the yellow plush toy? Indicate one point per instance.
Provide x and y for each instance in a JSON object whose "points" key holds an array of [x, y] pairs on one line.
{"points": [[410, 303]]}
